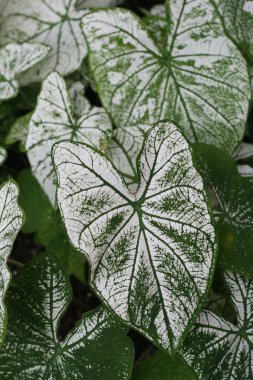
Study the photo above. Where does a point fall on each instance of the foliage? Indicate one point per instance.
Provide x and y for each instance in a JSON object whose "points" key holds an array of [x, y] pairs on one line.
{"points": [[126, 193]]}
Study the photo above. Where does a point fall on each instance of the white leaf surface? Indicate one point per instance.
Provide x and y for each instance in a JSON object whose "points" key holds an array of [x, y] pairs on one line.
{"points": [[218, 350], [56, 24], [245, 170], [14, 60], [82, 4], [11, 220], [199, 72], [54, 121], [3, 155], [244, 151], [151, 253]]}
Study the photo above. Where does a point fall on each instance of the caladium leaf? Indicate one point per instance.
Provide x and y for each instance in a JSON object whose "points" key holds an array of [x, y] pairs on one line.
{"points": [[217, 349], [96, 348], [235, 208], [237, 18], [11, 219], [55, 24], [52, 121], [123, 150], [245, 170], [152, 252], [138, 83], [2, 155], [14, 60], [157, 25], [19, 131], [163, 367], [244, 151]]}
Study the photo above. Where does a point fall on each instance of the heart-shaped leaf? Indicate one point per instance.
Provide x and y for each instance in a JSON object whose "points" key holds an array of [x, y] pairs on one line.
{"points": [[200, 72], [235, 208], [123, 150], [96, 348], [237, 19], [56, 24], [11, 219], [2, 155], [152, 252], [14, 60], [53, 121], [217, 349]]}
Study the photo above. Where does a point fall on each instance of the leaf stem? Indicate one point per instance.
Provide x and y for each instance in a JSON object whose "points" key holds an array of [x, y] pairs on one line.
{"points": [[15, 262]]}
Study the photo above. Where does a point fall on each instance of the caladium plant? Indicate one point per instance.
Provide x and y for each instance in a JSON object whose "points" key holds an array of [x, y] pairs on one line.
{"points": [[151, 252], [126, 137]]}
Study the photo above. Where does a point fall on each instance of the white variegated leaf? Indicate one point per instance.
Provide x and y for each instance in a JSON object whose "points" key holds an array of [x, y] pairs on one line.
{"points": [[14, 60], [96, 349], [57, 24], [53, 121], [244, 151], [2, 155], [245, 170], [11, 220], [80, 104], [217, 349], [199, 72], [152, 252], [123, 150]]}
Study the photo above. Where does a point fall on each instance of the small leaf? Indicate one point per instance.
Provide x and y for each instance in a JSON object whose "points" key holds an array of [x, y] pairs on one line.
{"points": [[157, 25], [244, 151], [55, 24], [245, 170], [3, 155], [11, 219], [15, 60], [123, 150], [235, 208], [53, 236], [82, 4], [217, 349], [19, 131], [152, 252], [200, 72], [33, 201], [161, 366], [96, 348], [53, 121]]}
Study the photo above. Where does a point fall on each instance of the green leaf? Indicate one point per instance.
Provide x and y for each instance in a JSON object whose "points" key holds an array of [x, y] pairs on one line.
{"points": [[235, 208], [33, 201], [3, 155], [53, 236], [123, 150], [96, 348], [53, 121], [199, 73], [217, 349], [157, 25], [80, 103], [15, 60], [152, 252], [19, 131], [163, 367], [11, 219], [55, 24], [237, 19]]}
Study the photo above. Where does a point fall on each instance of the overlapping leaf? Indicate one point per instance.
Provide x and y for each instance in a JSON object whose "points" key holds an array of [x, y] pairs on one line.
{"points": [[237, 18], [235, 208], [152, 252], [96, 348], [57, 24], [18, 131], [123, 150], [82, 4], [200, 72], [11, 219], [2, 155], [216, 348], [14, 60], [52, 121]]}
